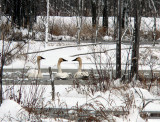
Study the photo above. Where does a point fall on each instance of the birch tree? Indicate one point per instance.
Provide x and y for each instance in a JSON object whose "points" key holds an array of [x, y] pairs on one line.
{"points": [[47, 21], [79, 19]]}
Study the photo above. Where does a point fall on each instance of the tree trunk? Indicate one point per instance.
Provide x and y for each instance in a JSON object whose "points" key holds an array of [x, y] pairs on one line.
{"points": [[1, 67], [21, 11], [1, 74], [125, 14], [79, 20], [47, 22], [118, 46], [135, 47], [105, 15], [94, 13], [115, 19], [1, 70]]}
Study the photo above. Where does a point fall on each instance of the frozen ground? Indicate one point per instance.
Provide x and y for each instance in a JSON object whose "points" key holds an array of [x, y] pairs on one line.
{"points": [[66, 95], [149, 56]]}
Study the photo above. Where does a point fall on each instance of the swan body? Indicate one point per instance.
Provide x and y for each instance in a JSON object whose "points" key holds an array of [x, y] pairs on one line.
{"points": [[34, 73], [80, 74], [63, 75], [60, 74]]}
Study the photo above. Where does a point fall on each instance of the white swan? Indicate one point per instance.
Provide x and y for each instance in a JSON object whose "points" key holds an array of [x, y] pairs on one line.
{"points": [[80, 74], [33, 73], [60, 74]]}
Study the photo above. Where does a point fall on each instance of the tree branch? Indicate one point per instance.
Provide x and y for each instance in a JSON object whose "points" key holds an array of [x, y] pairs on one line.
{"points": [[60, 48], [102, 51]]}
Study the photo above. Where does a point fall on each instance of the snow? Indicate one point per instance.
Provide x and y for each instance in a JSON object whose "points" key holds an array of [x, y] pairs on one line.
{"points": [[107, 38], [12, 111], [134, 116], [66, 95], [51, 57], [69, 97]]}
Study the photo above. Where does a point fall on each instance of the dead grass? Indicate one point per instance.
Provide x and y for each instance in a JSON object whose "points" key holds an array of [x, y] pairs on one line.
{"points": [[149, 35], [55, 30], [60, 28]]}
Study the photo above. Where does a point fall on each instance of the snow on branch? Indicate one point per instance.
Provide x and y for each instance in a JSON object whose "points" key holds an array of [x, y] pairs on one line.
{"points": [[61, 48], [102, 51]]}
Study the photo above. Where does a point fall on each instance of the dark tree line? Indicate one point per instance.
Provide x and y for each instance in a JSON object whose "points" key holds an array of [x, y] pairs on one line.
{"points": [[23, 12], [70, 7]]}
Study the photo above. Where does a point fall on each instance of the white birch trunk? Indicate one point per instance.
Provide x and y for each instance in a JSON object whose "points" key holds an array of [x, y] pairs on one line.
{"points": [[47, 21], [79, 20]]}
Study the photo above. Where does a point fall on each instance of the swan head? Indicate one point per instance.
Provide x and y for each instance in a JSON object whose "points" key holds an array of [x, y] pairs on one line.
{"points": [[77, 59], [39, 58], [61, 60]]}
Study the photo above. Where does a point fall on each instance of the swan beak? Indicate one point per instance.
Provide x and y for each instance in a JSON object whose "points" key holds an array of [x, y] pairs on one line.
{"points": [[42, 58], [75, 59], [64, 60]]}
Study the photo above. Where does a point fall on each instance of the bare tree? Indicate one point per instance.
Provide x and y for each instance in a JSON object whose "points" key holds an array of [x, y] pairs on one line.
{"points": [[79, 19], [1, 72], [47, 22], [125, 13], [22, 12], [94, 12], [105, 15], [8, 53], [135, 44], [4, 31], [118, 46]]}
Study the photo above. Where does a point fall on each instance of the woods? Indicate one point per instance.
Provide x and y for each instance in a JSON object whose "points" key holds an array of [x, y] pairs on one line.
{"points": [[23, 13]]}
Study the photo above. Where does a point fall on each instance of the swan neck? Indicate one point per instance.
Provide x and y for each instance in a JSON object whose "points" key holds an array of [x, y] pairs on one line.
{"points": [[80, 66], [38, 63], [59, 67]]}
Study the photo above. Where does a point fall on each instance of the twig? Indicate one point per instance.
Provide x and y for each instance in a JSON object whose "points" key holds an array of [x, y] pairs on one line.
{"points": [[59, 48], [94, 44], [102, 51]]}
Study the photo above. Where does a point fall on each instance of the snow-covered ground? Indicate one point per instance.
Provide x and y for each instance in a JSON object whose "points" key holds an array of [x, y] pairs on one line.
{"points": [[148, 55], [128, 97], [67, 96]]}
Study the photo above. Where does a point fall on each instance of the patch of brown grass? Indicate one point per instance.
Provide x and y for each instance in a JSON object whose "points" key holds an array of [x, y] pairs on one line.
{"points": [[87, 32], [55, 30]]}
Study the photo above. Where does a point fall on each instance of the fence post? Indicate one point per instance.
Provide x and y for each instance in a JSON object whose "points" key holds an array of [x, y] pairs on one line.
{"points": [[52, 83]]}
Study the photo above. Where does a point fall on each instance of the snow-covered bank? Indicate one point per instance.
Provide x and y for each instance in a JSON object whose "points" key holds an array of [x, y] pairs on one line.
{"points": [[69, 97], [12, 111]]}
